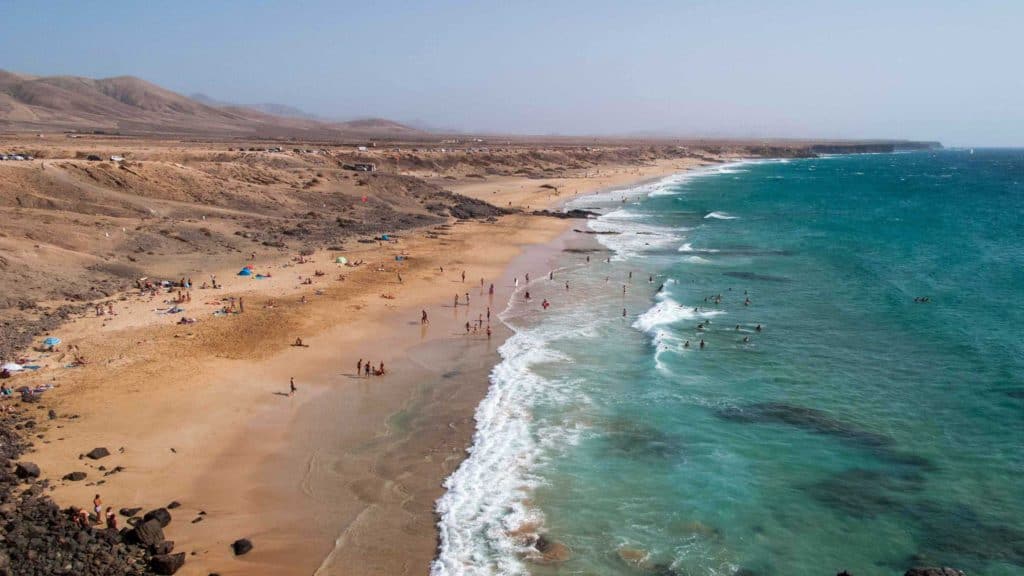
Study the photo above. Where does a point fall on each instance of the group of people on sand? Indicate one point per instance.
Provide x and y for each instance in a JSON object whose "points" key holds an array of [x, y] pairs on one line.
{"points": [[367, 369], [82, 518], [109, 309]]}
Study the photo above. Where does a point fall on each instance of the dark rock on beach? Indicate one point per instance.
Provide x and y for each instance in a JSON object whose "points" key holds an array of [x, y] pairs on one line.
{"points": [[97, 453], [241, 546], [148, 533], [932, 571], [568, 214], [129, 512], [26, 470], [167, 563], [161, 515], [74, 476]]}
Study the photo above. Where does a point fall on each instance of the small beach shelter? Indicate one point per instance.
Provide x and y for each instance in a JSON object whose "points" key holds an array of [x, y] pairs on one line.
{"points": [[245, 272], [12, 367], [341, 260], [51, 342]]}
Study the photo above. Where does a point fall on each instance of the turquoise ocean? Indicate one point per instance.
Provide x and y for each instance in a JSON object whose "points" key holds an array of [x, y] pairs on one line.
{"points": [[860, 428]]}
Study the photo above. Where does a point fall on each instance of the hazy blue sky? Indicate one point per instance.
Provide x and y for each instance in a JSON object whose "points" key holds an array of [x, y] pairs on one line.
{"points": [[938, 69]]}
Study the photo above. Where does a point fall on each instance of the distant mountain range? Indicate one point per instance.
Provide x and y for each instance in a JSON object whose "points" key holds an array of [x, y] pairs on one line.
{"points": [[130, 105]]}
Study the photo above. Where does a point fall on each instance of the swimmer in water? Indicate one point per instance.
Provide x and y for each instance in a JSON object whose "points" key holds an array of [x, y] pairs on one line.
{"points": [[702, 344], [758, 328], [686, 344]]}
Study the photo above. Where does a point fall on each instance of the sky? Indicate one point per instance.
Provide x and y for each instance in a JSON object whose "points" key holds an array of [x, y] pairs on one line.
{"points": [[933, 70]]}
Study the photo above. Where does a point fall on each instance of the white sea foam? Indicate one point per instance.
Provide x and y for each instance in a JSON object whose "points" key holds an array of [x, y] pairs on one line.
{"points": [[721, 216], [484, 498]]}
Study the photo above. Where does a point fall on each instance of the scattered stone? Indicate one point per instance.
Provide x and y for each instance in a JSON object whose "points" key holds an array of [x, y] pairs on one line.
{"points": [[26, 470], [160, 514], [197, 519], [97, 453], [165, 547], [74, 476], [52, 415], [167, 563], [241, 546], [148, 533], [173, 505]]}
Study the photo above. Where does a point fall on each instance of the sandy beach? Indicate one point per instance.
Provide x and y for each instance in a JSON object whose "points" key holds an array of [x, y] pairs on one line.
{"points": [[341, 476]]}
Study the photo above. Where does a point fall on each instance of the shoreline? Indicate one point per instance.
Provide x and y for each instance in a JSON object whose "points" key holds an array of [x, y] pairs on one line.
{"points": [[277, 476]]}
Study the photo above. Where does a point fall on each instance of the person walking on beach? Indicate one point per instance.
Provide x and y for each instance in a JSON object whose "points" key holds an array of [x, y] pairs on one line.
{"points": [[359, 367], [241, 305], [467, 298], [463, 275], [488, 314], [291, 387], [491, 290], [488, 332], [551, 275], [366, 368], [515, 281], [423, 318], [456, 299], [467, 327]]}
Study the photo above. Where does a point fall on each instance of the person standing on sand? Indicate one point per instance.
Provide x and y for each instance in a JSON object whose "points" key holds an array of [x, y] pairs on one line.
{"points": [[291, 387], [488, 314], [463, 275], [359, 367], [491, 291], [111, 519], [241, 305], [456, 299], [399, 277], [467, 298], [423, 318], [97, 506], [488, 332], [366, 368], [515, 281], [467, 327], [381, 371]]}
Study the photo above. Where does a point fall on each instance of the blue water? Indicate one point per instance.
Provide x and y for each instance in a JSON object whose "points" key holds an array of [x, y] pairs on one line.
{"points": [[857, 430]]}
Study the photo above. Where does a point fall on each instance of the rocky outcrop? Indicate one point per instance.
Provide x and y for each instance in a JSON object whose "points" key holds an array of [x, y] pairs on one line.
{"points": [[934, 571], [97, 453]]}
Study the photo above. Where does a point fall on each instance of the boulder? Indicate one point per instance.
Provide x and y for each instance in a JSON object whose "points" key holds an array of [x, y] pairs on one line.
{"points": [[129, 512], [160, 514], [149, 533], [97, 453], [74, 476], [241, 546], [26, 470], [933, 571], [173, 505], [167, 563], [165, 547]]}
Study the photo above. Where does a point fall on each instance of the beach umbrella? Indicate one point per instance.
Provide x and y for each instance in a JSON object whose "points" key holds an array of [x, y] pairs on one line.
{"points": [[341, 260], [51, 341], [245, 272]]}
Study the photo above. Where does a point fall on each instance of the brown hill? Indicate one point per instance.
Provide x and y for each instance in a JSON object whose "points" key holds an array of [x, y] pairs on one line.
{"points": [[130, 105]]}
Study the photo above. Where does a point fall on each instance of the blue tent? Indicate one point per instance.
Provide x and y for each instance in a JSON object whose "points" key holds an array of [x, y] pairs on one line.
{"points": [[245, 272], [51, 342]]}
